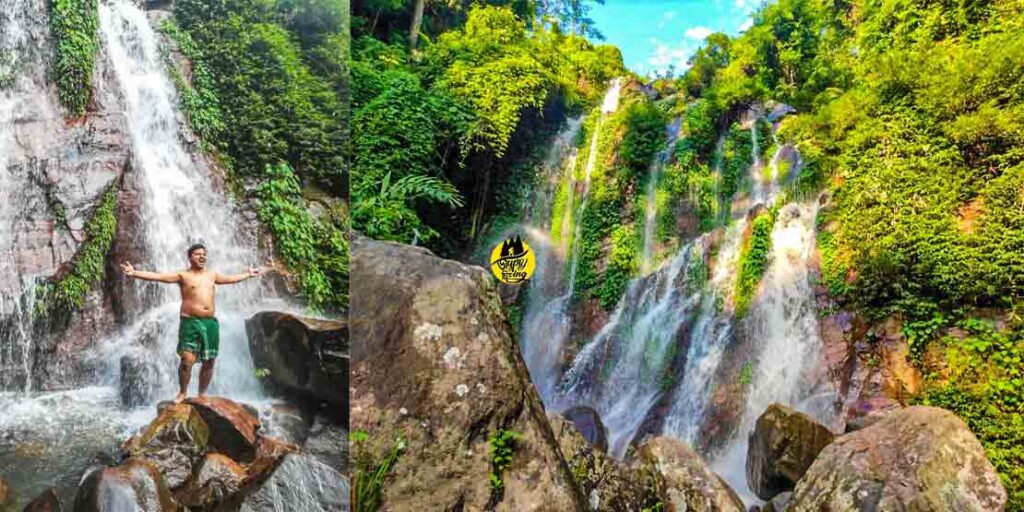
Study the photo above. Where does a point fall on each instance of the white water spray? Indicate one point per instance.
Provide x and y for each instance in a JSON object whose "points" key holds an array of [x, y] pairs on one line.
{"points": [[651, 206]]}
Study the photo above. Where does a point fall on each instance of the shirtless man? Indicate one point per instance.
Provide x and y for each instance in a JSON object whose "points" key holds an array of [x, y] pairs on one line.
{"points": [[198, 332]]}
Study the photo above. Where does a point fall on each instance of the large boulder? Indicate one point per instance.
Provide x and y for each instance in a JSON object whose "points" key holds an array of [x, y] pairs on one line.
{"points": [[329, 444], [174, 442], [434, 364], [867, 411], [688, 482], [135, 485], [918, 458], [232, 427], [306, 356], [782, 446], [588, 422], [319, 489]]}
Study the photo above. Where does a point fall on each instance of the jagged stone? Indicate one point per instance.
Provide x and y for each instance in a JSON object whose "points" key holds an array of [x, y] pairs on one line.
{"points": [[782, 446], [174, 443], [917, 458], [232, 427], [45, 502]]}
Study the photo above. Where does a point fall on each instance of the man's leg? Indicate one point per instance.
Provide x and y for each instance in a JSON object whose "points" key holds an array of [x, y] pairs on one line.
{"points": [[205, 376], [184, 375]]}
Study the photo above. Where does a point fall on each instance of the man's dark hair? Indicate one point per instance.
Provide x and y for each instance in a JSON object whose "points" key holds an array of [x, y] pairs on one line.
{"points": [[195, 247]]}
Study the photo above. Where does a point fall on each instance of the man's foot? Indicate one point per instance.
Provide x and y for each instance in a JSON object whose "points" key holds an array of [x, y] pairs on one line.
{"points": [[179, 399]]}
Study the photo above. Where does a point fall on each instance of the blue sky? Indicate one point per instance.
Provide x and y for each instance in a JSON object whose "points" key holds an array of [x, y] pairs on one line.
{"points": [[654, 34]]}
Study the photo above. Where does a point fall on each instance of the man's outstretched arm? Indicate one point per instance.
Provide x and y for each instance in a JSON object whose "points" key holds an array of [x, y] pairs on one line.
{"points": [[237, 278], [160, 277]]}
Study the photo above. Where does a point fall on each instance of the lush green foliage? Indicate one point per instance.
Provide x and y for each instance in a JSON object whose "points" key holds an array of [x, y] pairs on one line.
{"points": [[269, 91], [753, 259], [74, 24], [198, 99], [464, 114], [316, 249], [87, 268]]}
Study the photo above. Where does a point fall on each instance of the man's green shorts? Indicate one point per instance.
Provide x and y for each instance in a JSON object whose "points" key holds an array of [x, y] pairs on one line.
{"points": [[201, 336]]}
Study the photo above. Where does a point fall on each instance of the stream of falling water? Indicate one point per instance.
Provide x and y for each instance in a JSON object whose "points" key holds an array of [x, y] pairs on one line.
{"points": [[50, 439], [546, 322], [651, 206]]}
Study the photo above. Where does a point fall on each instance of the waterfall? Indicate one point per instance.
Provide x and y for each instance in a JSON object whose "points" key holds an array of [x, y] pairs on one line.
{"points": [[546, 321], [621, 372], [651, 206], [180, 204]]}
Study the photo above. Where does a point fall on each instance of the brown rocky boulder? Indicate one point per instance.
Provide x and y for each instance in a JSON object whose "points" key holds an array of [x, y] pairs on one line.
{"points": [[782, 446], [779, 503], [918, 458], [217, 479], [232, 426], [45, 502], [174, 443], [305, 356], [434, 364], [688, 483], [134, 485], [268, 454]]}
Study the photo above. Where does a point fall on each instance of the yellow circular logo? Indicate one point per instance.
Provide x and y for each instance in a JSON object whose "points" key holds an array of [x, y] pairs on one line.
{"points": [[512, 261]]}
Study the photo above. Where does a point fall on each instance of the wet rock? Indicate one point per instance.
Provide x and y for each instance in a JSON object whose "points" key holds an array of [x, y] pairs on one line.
{"points": [[232, 427], [322, 489], [289, 424], [134, 485], [267, 456], [867, 470], [779, 503], [588, 422], [138, 379], [782, 446], [867, 411], [329, 444], [607, 484], [216, 480], [45, 502], [434, 364], [305, 356], [174, 443], [689, 484]]}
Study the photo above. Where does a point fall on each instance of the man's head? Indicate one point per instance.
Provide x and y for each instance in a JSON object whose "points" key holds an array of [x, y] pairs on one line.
{"points": [[197, 256]]}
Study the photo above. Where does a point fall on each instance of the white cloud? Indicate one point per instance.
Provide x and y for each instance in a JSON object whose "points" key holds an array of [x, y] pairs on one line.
{"points": [[698, 33], [666, 55], [747, 24], [669, 15]]}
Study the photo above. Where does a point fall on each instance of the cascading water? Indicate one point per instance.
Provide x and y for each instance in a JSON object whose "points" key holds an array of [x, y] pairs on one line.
{"points": [[546, 323], [621, 372], [51, 439], [181, 204], [651, 206]]}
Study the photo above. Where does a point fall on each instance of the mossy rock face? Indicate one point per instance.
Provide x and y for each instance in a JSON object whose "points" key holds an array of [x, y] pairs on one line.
{"points": [[868, 469], [174, 442]]}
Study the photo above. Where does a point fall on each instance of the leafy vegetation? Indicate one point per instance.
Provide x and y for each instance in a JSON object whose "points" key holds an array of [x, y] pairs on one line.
{"points": [[68, 291], [753, 260], [502, 445], [371, 476], [74, 24], [460, 113], [269, 94], [314, 248]]}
